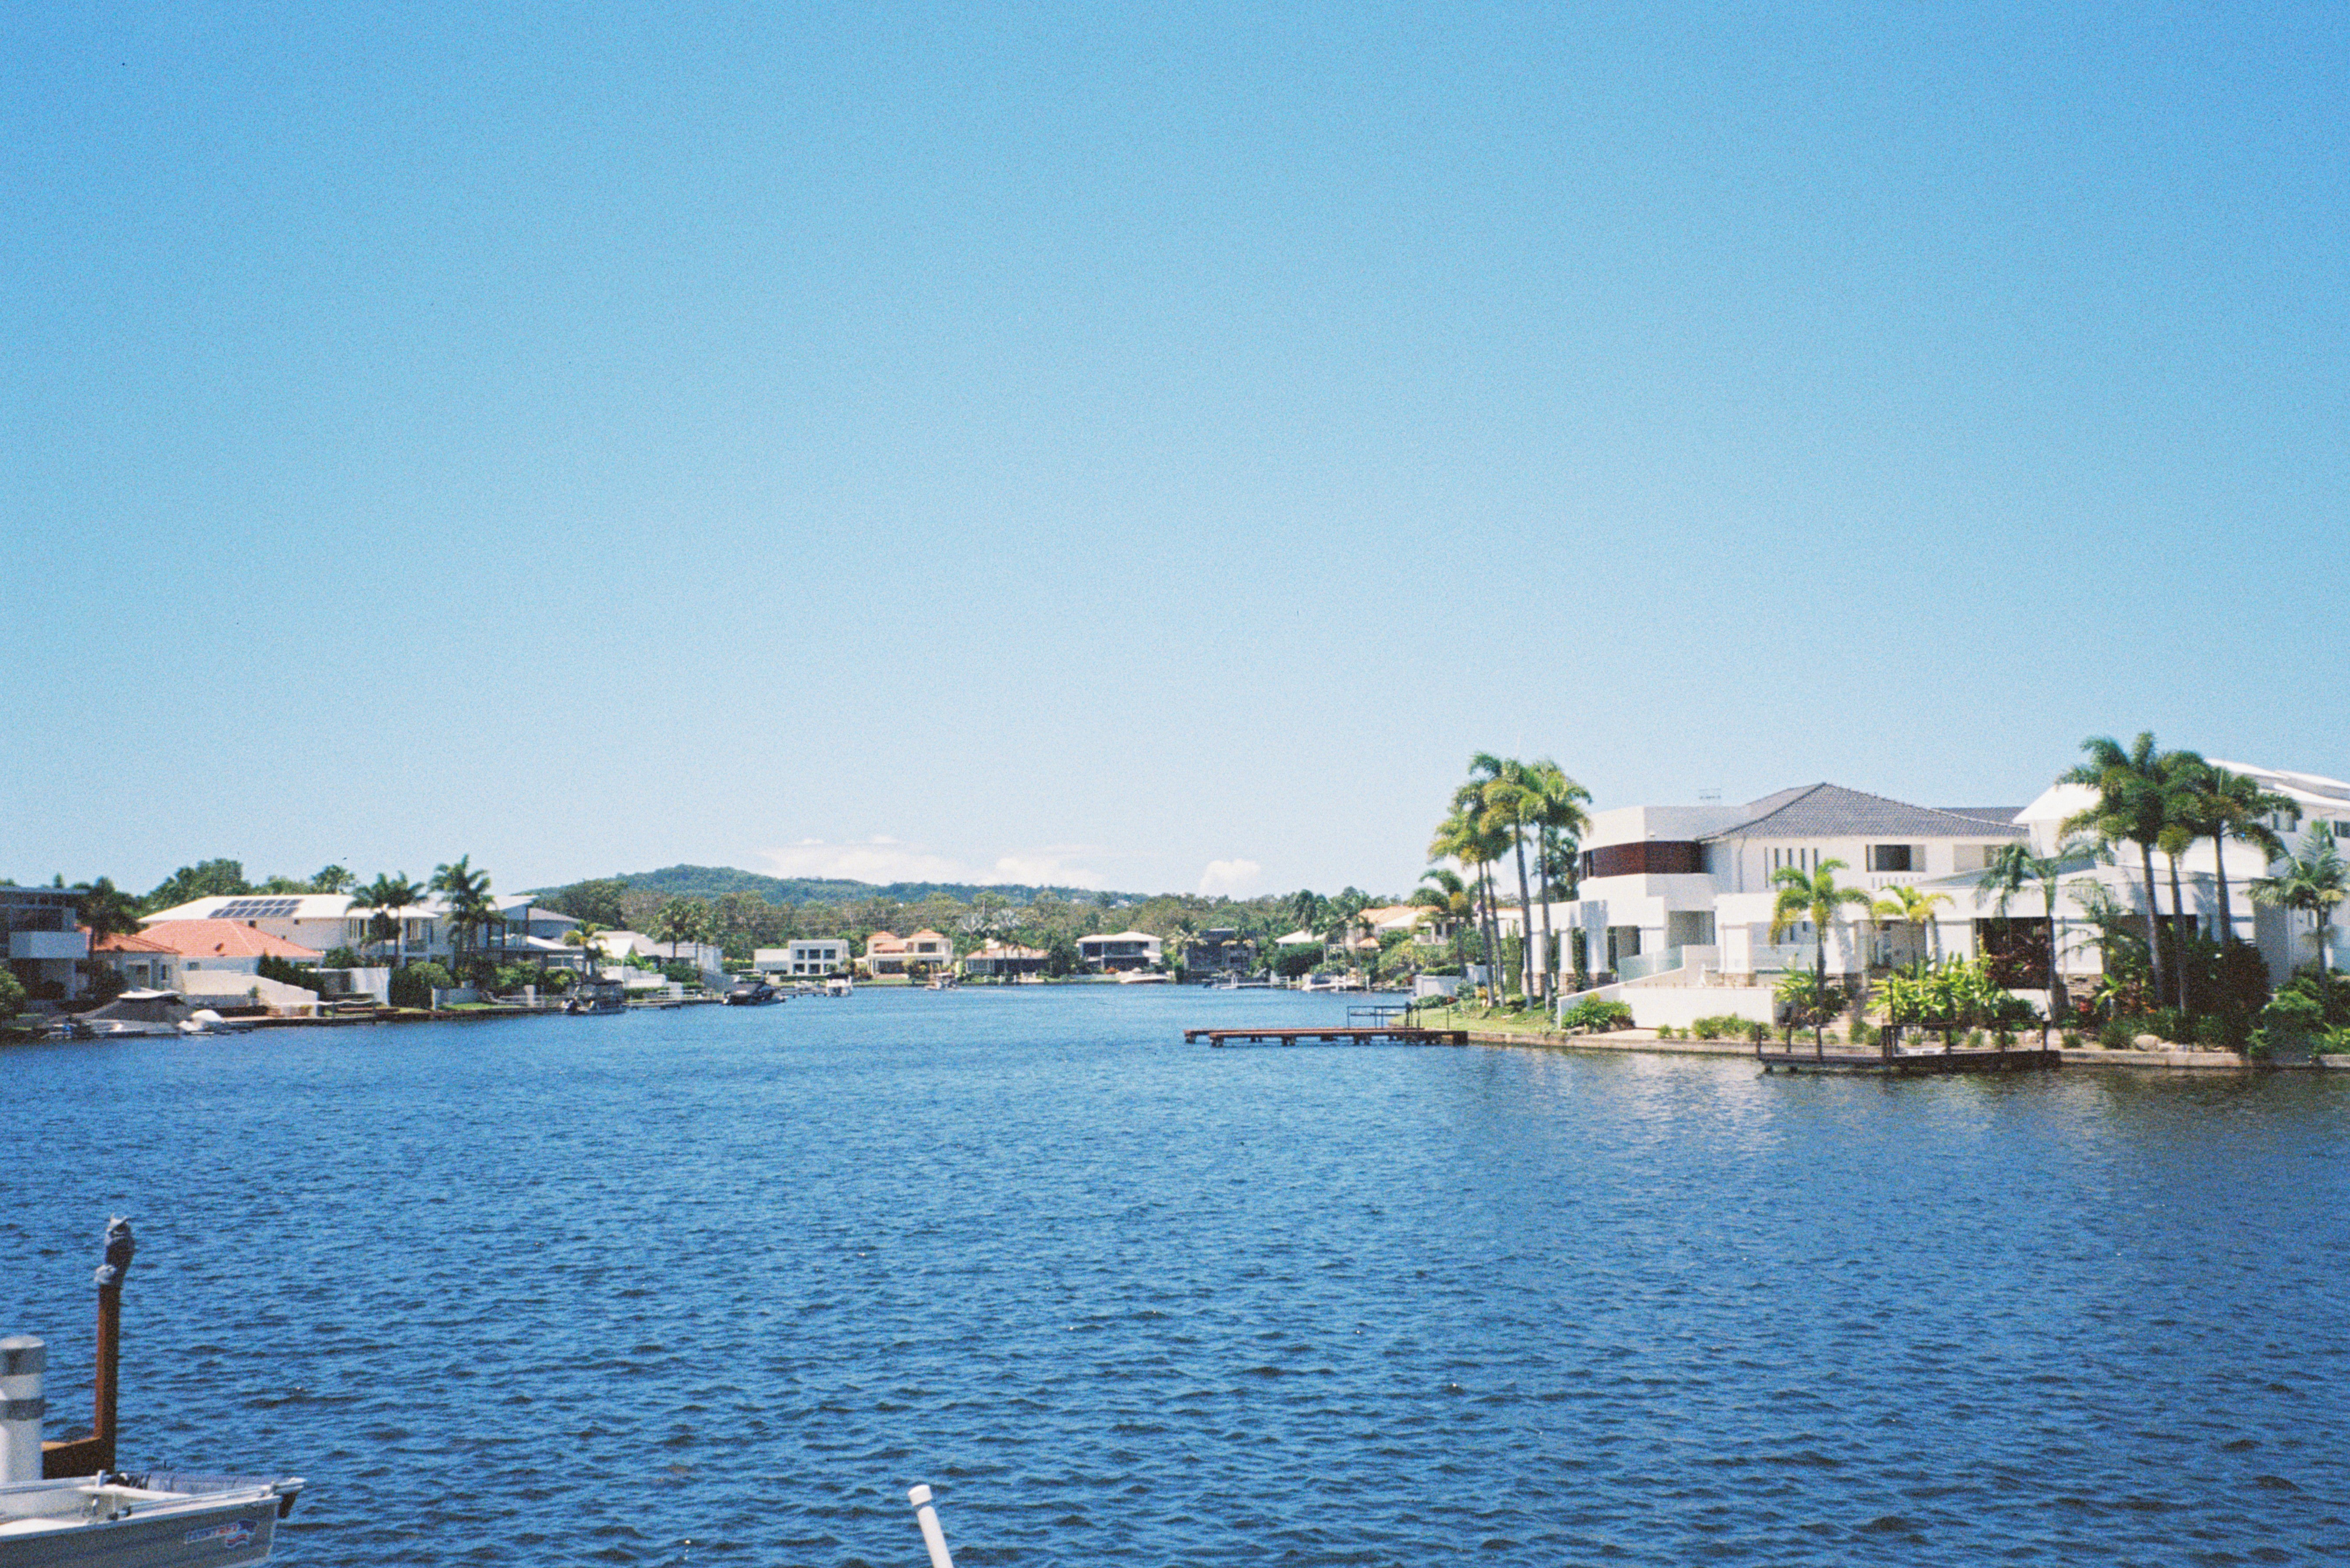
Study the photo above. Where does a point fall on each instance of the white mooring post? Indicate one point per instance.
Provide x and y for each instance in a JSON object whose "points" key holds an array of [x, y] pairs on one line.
{"points": [[927, 1517], [23, 1359]]}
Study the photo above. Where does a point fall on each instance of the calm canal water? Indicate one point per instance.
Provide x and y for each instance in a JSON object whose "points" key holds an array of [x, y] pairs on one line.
{"points": [[716, 1286]]}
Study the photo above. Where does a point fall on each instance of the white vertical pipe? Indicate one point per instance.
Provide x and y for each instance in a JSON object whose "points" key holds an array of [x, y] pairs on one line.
{"points": [[927, 1517], [23, 1359]]}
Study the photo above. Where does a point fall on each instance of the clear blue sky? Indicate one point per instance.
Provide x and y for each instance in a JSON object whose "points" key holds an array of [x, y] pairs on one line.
{"points": [[1056, 443]]}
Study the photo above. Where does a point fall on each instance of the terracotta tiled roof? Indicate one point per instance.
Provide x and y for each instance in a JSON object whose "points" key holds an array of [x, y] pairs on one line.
{"points": [[126, 942], [223, 939]]}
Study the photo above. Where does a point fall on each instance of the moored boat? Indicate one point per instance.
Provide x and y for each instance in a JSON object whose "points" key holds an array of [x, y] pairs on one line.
{"points": [[598, 996], [64, 1505]]}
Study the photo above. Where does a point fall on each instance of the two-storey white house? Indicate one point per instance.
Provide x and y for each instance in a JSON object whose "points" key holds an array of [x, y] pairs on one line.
{"points": [[1689, 888], [803, 957], [320, 922]]}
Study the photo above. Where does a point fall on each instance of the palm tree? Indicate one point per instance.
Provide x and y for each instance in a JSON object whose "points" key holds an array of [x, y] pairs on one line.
{"points": [[1812, 896], [1560, 823], [1509, 803], [2311, 883], [2012, 869], [586, 936], [388, 896], [1467, 836], [2230, 806], [2133, 808], [1450, 897], [683, 920], [468, 895], [1906, 906]]}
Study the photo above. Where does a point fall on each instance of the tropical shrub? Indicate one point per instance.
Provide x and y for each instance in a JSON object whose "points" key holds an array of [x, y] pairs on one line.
{"points": [[285, 972], [1757, 1031], [2293, 1020], [681, 972], [2220, 1031], [12, 994], [414, 985], [1298, 961], [1805, 1002], [2070, 1040], [1596, 1015], [2116, 1034], [1722, 1026], [1957, 993]]}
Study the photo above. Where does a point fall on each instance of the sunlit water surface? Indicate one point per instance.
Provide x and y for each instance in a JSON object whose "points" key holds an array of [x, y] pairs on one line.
{"points": [[717, 1285]]}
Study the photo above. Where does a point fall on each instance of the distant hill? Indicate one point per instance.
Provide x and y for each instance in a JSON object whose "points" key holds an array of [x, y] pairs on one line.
{"points": [[710, 881]]}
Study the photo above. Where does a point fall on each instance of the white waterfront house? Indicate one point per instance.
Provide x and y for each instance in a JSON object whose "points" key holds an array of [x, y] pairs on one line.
{"points": [[320, 922], [46, 941], [1670, 887], [805, 956], [1119, 950], [1675, 902]]}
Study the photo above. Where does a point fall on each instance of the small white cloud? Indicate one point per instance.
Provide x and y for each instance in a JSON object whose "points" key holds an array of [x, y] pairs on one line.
{"points": [[1229, 877], [1045, 870], [874, 860]]}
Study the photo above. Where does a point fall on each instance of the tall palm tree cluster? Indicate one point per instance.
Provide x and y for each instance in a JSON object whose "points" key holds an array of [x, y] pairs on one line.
{"points": [[2152, 800], [1504, 807]]}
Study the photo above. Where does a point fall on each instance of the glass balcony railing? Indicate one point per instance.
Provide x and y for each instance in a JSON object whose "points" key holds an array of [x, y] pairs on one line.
{"points": [[1640, 966]]}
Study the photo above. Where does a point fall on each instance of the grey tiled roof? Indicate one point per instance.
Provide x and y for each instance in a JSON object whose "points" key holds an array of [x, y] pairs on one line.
{"points": [[2001, 815], [1832, 811]]}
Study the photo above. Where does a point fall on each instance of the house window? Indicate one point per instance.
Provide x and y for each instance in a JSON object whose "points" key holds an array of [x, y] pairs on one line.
{"points": [[1890, 858]]}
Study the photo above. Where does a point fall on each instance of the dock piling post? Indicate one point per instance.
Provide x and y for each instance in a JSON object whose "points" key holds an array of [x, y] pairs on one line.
{"points": [[927, 1517], [24, 1358]]}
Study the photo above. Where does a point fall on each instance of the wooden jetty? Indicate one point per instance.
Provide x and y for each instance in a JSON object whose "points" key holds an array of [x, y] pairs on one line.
{"points": [[1326, 1034], [1917, 1064]]}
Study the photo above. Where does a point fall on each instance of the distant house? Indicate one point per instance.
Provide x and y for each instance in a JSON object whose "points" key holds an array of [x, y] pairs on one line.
{"points": [[886, 953], [320, 922], [220, 963], [526, 931], [1118, 951], [803, 957], [1221, 949], [1425, 926], [1003, 960], [143, 963], [46, 941], [232, 946], [622, 946]]}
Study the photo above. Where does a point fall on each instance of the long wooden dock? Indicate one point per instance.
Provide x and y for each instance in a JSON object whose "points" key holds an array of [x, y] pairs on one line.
{"points": [[1922, 1063], [1384, 1034]]}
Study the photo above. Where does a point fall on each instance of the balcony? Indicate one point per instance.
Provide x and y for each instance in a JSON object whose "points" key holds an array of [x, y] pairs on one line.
{"points": [[48, 945]]}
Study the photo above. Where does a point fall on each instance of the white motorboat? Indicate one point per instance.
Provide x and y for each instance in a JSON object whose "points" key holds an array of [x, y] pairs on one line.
{"points": [[838, 985], [138, 1013], [64, 1505], [155, 1520], [1141, 977]]}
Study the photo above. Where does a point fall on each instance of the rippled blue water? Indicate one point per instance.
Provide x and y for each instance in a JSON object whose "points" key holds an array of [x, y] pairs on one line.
{"points": [[718, 1285]]}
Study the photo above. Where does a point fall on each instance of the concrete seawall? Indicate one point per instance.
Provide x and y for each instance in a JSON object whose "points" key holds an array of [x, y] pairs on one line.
{"points": [[2169, 1061]]}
